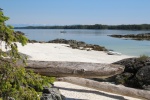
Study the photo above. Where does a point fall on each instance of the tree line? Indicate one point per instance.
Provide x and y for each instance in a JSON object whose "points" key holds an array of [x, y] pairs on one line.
{"points": [[96, 26]]}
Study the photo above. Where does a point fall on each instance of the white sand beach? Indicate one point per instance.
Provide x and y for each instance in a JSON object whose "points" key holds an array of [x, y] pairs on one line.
{"points": [[60, 52]]}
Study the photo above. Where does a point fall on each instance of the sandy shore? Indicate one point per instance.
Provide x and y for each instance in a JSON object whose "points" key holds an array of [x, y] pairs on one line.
{"points": [[60, 52], [76, 92]]}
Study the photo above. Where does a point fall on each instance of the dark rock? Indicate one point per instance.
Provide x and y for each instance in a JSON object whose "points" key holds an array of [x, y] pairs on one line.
{"points": [[133, 69], [42, 42], [58, 41], [145, 36], [19, 32], [78, 44], [135, 75], [74, 46], [33, 41], [98, 48], [51, 94], [143, 75], [132, 65]]}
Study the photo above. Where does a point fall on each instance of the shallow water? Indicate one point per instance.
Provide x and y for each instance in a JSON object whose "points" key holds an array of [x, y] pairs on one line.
{"points": [[128, 47]]}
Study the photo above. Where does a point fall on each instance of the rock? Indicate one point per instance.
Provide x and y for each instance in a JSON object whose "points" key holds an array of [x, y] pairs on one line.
{"points": [[132, 65], [145, 36], [136, 73], [11, 98], [79, 44], [58, 41], [74, 46], [51, 94], [42, 42], [123, 78], [33, 41], [19, 32], [143, 76]]}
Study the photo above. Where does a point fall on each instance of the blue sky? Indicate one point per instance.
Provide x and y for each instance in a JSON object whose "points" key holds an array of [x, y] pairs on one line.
{"points": [[70, 12]]}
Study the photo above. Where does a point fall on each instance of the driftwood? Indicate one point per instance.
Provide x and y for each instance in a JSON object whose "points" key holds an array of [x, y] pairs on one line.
{"points": [[108, 87], [74, 69], [86, 70]]}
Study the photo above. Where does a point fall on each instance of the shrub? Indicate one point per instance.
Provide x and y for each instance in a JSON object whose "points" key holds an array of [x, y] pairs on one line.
{"points": [[15, 81]]}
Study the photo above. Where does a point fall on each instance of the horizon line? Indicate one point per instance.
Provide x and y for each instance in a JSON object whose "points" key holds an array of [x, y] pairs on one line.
{"points": [[28, 25]]}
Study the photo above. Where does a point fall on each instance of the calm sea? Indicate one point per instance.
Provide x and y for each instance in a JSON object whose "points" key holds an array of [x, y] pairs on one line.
{"points": [[128, 47]]}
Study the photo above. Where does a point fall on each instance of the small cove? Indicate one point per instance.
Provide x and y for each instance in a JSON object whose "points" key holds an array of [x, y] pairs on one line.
{"points": [[99, 37]]}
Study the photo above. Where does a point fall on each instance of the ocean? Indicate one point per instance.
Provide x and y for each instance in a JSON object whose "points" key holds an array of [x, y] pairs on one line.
{"points": [[99, 37]]}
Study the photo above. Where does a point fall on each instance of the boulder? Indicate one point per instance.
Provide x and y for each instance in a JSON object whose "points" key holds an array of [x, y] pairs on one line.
{"points": [[143, 76], [58, 41], [51, 94], [132, 75], [33, 41], [136, 73]]}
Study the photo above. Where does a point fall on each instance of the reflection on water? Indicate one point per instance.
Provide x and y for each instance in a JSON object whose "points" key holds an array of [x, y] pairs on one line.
{"points": [[129, 47]]}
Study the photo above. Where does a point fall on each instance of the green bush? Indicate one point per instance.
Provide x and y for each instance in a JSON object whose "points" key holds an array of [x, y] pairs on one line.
{"points": [[143, 58]]}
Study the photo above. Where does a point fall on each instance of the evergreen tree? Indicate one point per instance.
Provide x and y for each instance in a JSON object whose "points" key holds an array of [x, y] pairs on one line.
{"points": [[15, 81]]}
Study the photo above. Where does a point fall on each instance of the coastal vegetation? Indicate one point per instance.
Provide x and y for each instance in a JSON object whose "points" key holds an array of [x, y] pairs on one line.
{"points": [[96, 26], [16, 82]]}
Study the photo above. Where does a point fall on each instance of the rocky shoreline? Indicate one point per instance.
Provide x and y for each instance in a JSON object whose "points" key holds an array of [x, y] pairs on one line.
{"points": [[135, 75], [74, 44], [144, 36]]}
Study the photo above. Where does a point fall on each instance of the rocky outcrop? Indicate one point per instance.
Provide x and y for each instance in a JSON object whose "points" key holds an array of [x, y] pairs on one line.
{"points": [[143, 76], [19, 32], [74, 44], [35, 41], [136, 73], [145, 36], [51, 94], [79, 45], [60, 41]]}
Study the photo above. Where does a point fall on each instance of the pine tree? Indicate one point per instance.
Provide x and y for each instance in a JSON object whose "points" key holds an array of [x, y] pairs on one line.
{"points": [[15, 81]]}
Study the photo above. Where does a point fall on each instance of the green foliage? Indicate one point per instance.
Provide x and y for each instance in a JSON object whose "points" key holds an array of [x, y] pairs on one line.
{"points": [[143, 58], [15, 81]]}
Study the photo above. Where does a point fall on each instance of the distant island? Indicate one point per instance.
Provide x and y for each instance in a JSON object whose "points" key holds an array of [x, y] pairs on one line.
{"points": [[96, 26], [144, 36]]}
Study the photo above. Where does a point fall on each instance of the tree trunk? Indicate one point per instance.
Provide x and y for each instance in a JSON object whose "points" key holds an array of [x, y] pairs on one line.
{"points": [[108, 87], [74, 69]]}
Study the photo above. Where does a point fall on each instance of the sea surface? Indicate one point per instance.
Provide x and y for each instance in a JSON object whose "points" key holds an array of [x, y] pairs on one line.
{"points": [[99, 37]]}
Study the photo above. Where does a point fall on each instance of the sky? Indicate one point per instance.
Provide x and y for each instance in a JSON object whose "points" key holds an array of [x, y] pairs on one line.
{"points": [[74, 12]]}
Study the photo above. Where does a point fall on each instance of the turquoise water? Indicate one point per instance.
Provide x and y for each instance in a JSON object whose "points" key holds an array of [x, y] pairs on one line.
{"points": [[128, 47]]}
